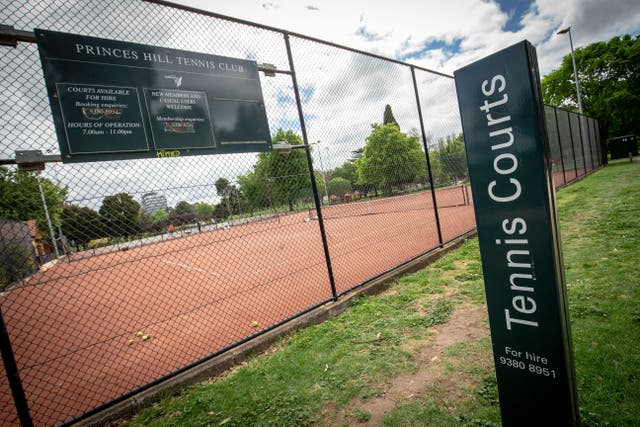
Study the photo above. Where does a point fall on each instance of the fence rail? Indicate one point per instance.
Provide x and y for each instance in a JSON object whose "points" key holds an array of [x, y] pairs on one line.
{"points": [[140, 269]]}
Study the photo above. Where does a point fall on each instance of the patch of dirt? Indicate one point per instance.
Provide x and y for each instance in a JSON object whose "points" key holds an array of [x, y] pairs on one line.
{"points": [[466, 324]]}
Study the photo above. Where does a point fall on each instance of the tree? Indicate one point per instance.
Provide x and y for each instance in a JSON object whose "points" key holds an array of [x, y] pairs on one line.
{"points": [[609, 77], [390, 159], [449, 161], [221, 186], [388, 116], [339, 186], [222, 190], [356, 154], [346, 171], [184, 213], [81, 224], [20, 198], [204, 211], [286, 175], [120, 215], [255, 190]]}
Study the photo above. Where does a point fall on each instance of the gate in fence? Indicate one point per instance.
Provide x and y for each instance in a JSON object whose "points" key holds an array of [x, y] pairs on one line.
{"points": [[159, 264]]}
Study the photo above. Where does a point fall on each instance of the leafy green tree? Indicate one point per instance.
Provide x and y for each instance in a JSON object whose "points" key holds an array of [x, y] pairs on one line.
{"points": [[81, 224], [255, 190], [120, 215], [204, 211], [156, 222], [184, 213], [390, 159], [388, 118], [356, 154], [221, 212], [609, 77], [339, 186], [449, 161], [222, 184], [20, 198], [346, 171], [222, 190], [287, 174], [160, 216]]}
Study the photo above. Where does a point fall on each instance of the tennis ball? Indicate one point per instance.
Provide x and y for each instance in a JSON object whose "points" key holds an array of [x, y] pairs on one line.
{"points": [[139, 334], [254, 324], [145, 337], [131, 342]]}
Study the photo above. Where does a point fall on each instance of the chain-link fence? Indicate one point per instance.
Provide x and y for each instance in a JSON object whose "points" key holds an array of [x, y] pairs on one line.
{"points": [[140, 269], [575, 145]]}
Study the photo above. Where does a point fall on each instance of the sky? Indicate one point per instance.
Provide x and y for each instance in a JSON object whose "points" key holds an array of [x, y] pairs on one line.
{"points": [[342, 93], [442, 35]]}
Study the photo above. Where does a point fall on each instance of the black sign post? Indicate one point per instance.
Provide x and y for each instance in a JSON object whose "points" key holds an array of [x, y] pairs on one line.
{"points": [[510, 170], [113, 100]]}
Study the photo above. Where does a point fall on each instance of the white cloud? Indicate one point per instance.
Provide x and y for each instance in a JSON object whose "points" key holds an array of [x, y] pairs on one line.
{"points": [[405, 25], [347, 91]]}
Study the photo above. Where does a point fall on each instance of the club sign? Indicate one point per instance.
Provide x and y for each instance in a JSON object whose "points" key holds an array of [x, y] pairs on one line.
{"points": [[509, 166], [113, 100]]}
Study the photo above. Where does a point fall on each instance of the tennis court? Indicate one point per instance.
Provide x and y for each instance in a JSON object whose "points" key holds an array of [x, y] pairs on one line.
{"points": [[199, 294]]}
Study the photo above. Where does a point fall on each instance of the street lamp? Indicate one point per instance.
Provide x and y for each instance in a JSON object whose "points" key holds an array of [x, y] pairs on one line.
{"points": [[575, 70]]}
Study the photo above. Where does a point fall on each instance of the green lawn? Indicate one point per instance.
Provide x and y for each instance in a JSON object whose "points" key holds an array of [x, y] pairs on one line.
{"points": [[341, 371]]}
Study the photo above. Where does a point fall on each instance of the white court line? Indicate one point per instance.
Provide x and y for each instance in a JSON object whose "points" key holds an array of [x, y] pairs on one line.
{"points": [[190, 268]]}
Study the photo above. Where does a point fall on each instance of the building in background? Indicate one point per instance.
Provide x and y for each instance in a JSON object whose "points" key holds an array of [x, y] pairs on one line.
{"points": [[153, 202]]}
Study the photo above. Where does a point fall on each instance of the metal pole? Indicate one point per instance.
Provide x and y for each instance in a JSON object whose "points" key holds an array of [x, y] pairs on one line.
{"points": [[584, 157], [575, 69], [573, 147], [314, 186], [575, 72], [46, 214], [13, 375], [589, 120], [426, 152], [564, 176]]}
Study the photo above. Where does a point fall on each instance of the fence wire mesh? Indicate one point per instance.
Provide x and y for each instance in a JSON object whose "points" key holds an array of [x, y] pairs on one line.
{"points": [[134, 270]]}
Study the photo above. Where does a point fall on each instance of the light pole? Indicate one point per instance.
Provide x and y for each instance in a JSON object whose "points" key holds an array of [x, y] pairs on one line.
{"points": [[573, 60]]}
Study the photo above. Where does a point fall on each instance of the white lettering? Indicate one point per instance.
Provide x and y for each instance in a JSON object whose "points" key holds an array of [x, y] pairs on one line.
{"points": [[505, 199]]}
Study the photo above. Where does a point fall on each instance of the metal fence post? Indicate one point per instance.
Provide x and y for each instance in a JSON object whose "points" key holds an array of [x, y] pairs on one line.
{"points": [[592, 135], [573, 147], [13, 375], [564, 176], [426, 152], [314, 186], [584, 158]]}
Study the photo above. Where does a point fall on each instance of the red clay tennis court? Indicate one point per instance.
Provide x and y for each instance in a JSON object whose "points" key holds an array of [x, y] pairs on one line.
{"points": [[71, 325]]}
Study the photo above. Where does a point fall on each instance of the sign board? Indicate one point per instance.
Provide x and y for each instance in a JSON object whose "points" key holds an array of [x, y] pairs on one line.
{"points": [[510, 170], [113, 100]]}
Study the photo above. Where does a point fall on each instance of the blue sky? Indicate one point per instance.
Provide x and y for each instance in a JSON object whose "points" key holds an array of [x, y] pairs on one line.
{"points": [[516, 10], [442, 35]]}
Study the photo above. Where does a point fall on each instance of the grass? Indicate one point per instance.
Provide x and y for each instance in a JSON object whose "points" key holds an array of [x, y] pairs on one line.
{"points": [[321, 375]]}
